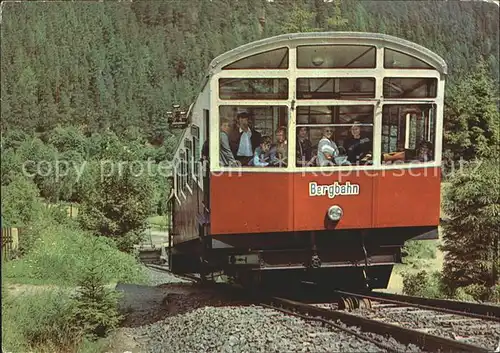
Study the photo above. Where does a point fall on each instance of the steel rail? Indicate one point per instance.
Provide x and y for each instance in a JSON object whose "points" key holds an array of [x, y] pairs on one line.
{"points": [[331, 323], [473, 310], [404, 335]]}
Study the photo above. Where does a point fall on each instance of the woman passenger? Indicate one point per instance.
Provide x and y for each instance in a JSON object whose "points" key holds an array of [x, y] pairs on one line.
{"points": [[280, 150], [325, 155]]}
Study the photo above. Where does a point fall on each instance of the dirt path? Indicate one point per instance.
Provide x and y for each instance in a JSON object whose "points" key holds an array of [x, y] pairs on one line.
{"points": [[123, 342]]}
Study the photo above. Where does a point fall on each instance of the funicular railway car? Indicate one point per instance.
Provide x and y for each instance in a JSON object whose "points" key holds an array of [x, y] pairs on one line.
{"points": [[323, 157]]}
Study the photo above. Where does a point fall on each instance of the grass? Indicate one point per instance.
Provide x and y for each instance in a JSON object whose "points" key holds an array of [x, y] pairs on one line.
{"points": [[42, 322], [427, 256], [38, 311], [60, 254], [157, 222]]}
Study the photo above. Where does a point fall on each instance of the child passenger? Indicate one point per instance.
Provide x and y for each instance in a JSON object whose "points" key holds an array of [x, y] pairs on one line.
{"points": [[262, 153]]}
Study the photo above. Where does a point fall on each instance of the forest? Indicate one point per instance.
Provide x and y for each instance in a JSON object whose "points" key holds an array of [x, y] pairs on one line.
{"points": [[87, 82]]}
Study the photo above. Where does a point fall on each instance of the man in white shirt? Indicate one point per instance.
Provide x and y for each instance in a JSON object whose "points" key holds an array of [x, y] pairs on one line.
{"points": [[244, 140]]}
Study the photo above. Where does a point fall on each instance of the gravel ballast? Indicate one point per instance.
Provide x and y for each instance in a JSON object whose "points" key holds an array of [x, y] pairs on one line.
{"points": [[470, 330], [178, 316], [245, 329]]}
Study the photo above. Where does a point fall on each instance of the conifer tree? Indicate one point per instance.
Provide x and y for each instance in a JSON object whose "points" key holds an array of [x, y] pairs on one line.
{"points": [[472, 119]]}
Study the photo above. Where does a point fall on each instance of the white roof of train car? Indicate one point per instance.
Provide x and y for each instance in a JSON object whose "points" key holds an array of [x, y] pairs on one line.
{"points": [[323, 38]]}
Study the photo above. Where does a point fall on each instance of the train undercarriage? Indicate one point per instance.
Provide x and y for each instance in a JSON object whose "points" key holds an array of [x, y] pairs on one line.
{"points": [[340, 259]]}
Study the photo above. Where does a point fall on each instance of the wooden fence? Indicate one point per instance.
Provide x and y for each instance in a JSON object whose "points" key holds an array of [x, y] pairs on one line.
{"points": [[10, 242]]}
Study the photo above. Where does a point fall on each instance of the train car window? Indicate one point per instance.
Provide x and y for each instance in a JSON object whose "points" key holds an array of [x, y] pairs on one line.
{"points": [[394, 59], [272, 59], [334, 135], [408, 133], [335, 88], [396, 87], [183, 170], [196, 158], [195, 132], [253, 136], [178, 180], [336, 56], [189, 163], [253, 88]]}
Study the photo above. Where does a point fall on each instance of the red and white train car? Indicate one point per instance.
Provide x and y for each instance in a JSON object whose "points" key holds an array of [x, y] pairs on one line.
{"points": [[340, 214]]}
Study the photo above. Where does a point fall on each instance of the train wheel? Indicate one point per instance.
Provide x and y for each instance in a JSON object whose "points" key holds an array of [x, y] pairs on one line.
{"points": [[365, 303]]}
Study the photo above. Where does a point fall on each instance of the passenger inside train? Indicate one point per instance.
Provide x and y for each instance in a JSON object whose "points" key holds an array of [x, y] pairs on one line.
{"points": [[304, 148], [226, 156], [244, 139], [347, 130], [327, 149], [262, 156], [358, 147]]}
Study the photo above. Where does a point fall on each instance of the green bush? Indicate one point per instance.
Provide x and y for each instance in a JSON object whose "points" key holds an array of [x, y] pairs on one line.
{"points": [[423, 284], [478, 293], [47, 320], [60, 255], [39, 321], [96, 308], [420, 250]]}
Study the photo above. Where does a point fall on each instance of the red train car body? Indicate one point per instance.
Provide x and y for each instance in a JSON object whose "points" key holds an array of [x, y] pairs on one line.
{"points": [[280, 202]]}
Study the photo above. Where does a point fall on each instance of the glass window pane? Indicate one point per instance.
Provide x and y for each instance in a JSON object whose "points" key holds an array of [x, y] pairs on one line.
{"points": [[395, 87], [178, 176], [335, 88], [336, 56], [183, 170], [196, 157], [334, 114], [346, 129], [408, 133], [253, 88], [189, 161], [253, 136], [273, 59], [396, 60]]}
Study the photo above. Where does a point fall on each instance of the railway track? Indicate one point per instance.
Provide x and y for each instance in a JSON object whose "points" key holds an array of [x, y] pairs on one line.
{"points": [[425, 341], [376, 323], [469, 323], [473, 310]]}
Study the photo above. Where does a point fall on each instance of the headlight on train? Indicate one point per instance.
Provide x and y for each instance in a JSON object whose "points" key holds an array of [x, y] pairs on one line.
{"points": [[335, 213]]}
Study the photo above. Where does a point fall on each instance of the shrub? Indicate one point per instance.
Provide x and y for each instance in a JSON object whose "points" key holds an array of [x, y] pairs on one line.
{"points": [[48, 320], [96, 307], [418, 250], [39, 321], [478, 292], [423, 284]]}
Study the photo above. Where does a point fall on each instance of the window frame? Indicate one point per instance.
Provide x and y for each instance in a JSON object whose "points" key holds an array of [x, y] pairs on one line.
{"points": [[285, 57], [285, 91], [335, 78], [386, 57], [178, 176], [195, 133], [406, 131], [335, 125], [182, 159], [369, 46], [432, 96], [293, 73], [250, 104], [188, 146]]}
